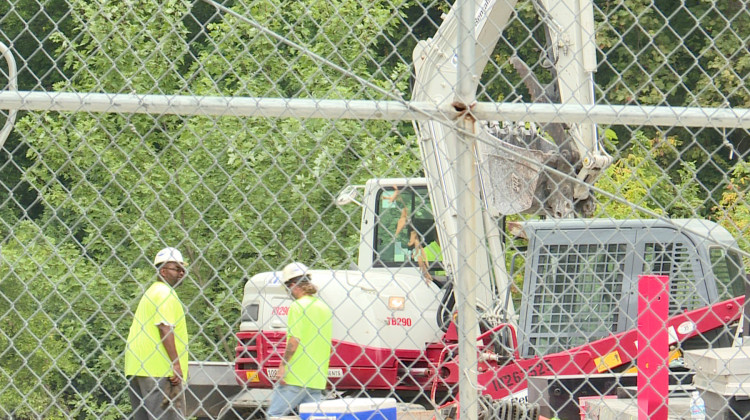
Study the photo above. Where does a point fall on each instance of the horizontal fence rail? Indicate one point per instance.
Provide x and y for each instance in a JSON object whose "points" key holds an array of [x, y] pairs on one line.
{"points": [[373, 110]]}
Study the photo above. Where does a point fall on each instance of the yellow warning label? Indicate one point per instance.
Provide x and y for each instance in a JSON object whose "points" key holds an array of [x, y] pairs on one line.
{"points": [[252, 376], [673, 355], [608, 361]]}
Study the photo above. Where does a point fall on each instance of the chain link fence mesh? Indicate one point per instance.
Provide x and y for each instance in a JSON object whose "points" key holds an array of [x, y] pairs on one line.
{"points": [[88, 198]]}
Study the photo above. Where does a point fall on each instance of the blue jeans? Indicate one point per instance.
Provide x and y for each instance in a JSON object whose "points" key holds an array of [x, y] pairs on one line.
{"points": [[286, 398]]}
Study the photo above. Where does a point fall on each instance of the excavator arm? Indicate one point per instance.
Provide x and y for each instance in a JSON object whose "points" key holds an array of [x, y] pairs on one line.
{"points": [[517, 170]]}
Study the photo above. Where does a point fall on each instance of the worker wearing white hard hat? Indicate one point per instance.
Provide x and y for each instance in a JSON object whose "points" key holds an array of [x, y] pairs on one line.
{"points": [[156, 356], [303, 374], [168, 254], [293, 273]]}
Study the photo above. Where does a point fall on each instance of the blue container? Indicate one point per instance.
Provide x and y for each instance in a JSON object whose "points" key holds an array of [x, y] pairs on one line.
{"points": [[350, 409]]}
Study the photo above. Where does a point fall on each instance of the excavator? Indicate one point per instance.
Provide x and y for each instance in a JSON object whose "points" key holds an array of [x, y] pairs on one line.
{"points": [[395, 326]]}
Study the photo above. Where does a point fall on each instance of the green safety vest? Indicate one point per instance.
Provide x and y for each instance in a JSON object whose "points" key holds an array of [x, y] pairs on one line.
{"points": [[433, 252], [310, 321], [145, 354]]}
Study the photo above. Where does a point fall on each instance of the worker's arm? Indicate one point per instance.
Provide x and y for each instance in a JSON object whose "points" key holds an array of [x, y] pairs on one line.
{"points": [[167, 339], [291, 346], [419, 255]]}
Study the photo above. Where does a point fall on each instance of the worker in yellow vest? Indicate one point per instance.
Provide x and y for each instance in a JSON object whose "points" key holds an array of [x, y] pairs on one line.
{"points": [[428, 257], [156, 354]]}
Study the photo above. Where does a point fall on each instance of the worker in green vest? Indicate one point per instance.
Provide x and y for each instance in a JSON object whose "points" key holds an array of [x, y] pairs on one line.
{"points": [[156, 354], [429, 257], [432, 252], [303, 374]]}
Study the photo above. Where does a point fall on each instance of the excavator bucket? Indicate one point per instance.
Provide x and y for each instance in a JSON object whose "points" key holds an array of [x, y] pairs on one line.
{"points": [[511, 163], [510, 180]]}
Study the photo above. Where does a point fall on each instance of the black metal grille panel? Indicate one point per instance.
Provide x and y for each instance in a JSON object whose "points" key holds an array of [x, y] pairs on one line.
{"points": [[577, 295], [674, 260]]}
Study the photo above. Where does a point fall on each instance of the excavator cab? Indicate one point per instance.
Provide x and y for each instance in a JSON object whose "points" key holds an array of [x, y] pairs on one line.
{"points": [[404, 235]]}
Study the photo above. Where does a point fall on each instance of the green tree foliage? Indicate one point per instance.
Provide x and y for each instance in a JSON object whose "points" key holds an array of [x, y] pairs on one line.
{"points": [[237, 195], [733, 211], [282, 218], [57, 317], [638, 178], [686, 54], [89, 172], [653, 53], [27, 28]]}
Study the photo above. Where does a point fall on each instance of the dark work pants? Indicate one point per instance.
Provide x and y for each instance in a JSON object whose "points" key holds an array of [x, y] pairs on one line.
{"points": [[150, 399]]}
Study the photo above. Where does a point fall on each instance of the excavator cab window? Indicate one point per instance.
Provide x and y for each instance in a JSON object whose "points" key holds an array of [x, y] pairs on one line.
{"points": [[674, 259], [727, 267], [405, 227]]}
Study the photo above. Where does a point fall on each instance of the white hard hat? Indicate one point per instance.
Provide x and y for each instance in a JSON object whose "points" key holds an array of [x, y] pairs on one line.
{"points": [[292, 271], [168, 254]]}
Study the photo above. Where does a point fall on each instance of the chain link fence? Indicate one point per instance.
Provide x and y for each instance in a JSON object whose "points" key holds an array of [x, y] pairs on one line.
{"points": [[453, 254]]}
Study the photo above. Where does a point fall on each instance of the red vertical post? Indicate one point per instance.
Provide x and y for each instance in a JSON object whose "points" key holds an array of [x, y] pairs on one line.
{"points": [[653, 347]]}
